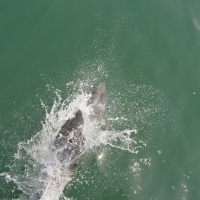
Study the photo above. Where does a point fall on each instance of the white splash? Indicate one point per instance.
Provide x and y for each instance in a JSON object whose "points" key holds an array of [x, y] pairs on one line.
{"points": [[37, 171]]}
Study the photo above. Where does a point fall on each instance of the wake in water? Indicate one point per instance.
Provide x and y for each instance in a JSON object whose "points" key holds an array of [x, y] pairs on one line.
{"points": [[45, 164]]}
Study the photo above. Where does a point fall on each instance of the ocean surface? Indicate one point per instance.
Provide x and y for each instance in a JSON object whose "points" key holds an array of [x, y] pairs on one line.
{"points": [[147, 53]]}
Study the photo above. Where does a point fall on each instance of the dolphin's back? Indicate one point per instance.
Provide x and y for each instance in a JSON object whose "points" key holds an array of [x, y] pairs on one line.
{"points": [[70, 139], [69, 144], [71, 124]]}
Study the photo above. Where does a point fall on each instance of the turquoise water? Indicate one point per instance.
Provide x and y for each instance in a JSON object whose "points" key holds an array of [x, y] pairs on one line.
{"points": [[150, 53]]}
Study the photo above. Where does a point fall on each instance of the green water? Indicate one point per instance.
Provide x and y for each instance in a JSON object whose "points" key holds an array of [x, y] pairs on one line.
{"points": [[152, 43]]}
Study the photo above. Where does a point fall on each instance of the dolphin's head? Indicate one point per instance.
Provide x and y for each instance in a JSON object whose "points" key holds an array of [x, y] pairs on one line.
{"points": [[97, 102]]}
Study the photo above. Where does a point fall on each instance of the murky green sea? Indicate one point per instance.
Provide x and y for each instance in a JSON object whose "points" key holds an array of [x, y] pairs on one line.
{"points": [[151, 48]]}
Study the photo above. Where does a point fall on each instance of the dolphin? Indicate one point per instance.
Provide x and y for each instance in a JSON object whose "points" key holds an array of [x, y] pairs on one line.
{"points": [[69, 142], [70, 138]]}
